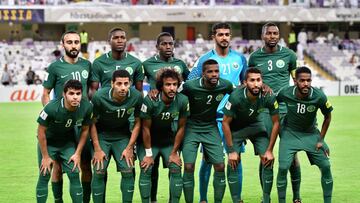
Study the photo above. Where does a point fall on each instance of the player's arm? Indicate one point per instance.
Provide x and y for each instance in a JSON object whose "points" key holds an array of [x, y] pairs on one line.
{"points": [[94, 86], [128, 152], [268, 157], [196, 71], [324, 128], [148, 160], [174, 156], [46, 161], [99, 155], [233, 156], [77, 155], [45, 97]]}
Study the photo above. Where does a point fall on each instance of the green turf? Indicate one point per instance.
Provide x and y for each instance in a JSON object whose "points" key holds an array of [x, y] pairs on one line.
{"points": [[18, 171]]}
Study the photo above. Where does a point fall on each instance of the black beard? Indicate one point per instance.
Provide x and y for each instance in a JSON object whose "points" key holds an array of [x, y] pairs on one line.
{"points": [[70, 54]]}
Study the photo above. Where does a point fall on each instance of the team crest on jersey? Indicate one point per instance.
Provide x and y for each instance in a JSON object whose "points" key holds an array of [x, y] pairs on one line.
{"points": [[130, 111], [79, 122], [130, 70], [311, 108], [280, 63], [178, 69], [174, 115], [236, 65], [85, 74], [144, 108], [219, 97]]}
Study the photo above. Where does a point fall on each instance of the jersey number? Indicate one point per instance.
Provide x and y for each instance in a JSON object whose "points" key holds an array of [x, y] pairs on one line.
{"points": [[209, 97], [165, 115], [121, 113], [270, 67], [226, 68], [301, 108], [76, 75], [251, 112], [68, 123]]}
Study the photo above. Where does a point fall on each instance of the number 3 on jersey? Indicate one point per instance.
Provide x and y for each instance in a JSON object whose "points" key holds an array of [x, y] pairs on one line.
{"points": [[270, 66]]}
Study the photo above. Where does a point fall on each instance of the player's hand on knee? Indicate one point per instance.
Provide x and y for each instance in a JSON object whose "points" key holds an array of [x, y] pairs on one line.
{"points": [[319, 145], [233, 159], [128, 155], [46, 165], [175, 158], [147, 162], [98, 159], [76, 159], [268, 159]]}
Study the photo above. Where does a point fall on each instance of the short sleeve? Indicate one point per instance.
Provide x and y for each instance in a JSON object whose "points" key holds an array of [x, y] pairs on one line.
{"points": [[292, 62], [88, 116], [230, 106], [139, 74], [185, 108], [325, 105], [138, 105], [96, 104], [95, 72], [50, 78], [272, 105], [45, 116], [146, 109], [185, 89], [185, 70], [196, 70]]}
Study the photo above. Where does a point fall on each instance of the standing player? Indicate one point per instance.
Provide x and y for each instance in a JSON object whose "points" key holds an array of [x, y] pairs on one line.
{"points": [[164, 59], [300, 132], [159, 135], [69, 67], [56, 138], [205, 95], [111, 133], [276, 63], [232, 67], [116, 59], [241, 122]]}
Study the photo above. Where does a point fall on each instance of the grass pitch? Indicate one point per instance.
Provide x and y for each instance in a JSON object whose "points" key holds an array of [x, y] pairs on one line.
{"points": [[19, 172]]}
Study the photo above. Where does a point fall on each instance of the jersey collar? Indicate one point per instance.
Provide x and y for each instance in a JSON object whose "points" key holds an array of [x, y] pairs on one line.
{"points": [[111, 90], [109, 55], [310, 95], [201, 82], [279, 48], [157, 58]]}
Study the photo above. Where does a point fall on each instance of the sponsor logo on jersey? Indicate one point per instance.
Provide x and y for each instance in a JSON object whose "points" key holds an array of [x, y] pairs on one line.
{"points": [[280, 63], [79, 122], [219, 97], [85, 74], [328, 104], [144, 108], [107, 71], [236, 65], [311, 108], [130, 111], [228, 105], [63, 76], [130, 70], [174, 115], [43, 115]]}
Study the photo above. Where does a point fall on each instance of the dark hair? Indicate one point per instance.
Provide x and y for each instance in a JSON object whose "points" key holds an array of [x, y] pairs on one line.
{"points": [[121, 74], [220, 26], [68, 32], [209, 62], [302, 69], [269, 24], [72, 84], [167, 73], [115, 29], [162, 34], [252, 70]]}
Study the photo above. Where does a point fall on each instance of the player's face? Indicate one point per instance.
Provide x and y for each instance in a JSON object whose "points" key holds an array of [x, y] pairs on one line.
{"points": [[118, 41], [121, 86], [271, 36], [71, 45], [303, 83], [166, 46], [211, 74], [253, 83], [170, 86], [222, 38], [73, 97]]}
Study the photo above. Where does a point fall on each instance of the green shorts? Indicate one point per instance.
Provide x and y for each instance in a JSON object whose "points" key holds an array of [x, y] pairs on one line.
{"points": [[115, 148], [86, 152], [211, 142], [162, 151], [254, 132], [61, 154], [293, 141]]}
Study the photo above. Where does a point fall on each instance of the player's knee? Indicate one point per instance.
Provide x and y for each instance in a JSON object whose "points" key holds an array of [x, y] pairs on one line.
{"points": [[283, 169], [127, 173], [189, 168], [325, 168], [73, 177], [295, 162], [220, 167], [174, 169]]}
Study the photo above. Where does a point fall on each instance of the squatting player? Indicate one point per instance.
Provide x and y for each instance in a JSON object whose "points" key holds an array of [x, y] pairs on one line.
{"points": [[164, 59], [241, 122], [300, 132], [160, 137], [205, 95], [70, 66], [111, 133], [232, 66], [276, 63], [56, 138]]}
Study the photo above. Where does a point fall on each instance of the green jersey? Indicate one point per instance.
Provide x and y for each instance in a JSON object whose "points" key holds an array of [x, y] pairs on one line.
{"points": [[154, 64], [301, 115], [105, 65], [113, 117], [162, 117], [60, 71], [204, 102], [275, 67], [60, 122], [245, 112]]}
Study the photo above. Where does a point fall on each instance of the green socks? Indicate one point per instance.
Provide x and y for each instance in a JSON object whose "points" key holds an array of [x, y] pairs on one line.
{"points": [[219, 183], [188, 186], [57, 188]]}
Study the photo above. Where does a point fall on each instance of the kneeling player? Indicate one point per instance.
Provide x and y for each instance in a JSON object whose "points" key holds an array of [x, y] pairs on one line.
{"points": [[159, 135], [111, 135], [241, 122], [56, 138], [299, 131]]}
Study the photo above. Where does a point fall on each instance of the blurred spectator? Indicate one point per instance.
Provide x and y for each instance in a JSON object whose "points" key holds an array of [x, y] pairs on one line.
{"points": [[97, 53], [37, 36], [30, 77], [302, 37], [310, 36], [292, 40], [12, 36], [84, 40], [199, 39], [130, 48], [37, 80], [17, 35], [282, 42], [57, 54], [320, 39], [330, 37], [6, 77]]}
